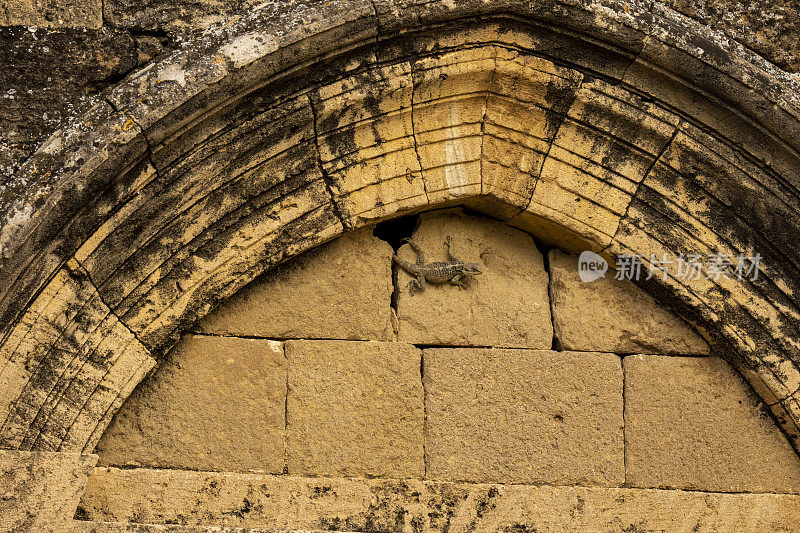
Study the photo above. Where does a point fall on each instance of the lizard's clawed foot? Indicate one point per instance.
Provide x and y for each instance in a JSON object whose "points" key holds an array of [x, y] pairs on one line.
{"points": [[411, 287]]}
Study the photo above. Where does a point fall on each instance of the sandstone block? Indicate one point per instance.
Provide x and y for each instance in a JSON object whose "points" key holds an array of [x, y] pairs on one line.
{"points": [[369, 151], [67, 332], [151, 499], [505, 306], [39, 491], [216, 403], [692, 423], [608, 315], [355, 409], [523, 416], [341, 290]]}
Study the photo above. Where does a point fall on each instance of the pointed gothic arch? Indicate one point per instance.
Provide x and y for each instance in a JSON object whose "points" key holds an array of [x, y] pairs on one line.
{"points": [[600, 126]]}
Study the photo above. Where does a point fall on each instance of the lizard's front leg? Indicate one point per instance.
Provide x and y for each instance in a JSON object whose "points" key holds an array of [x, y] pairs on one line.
{"points": [[459, 281]]}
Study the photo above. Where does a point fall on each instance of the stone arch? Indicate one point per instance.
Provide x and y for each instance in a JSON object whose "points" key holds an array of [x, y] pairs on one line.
{"points": [[605, 126]]}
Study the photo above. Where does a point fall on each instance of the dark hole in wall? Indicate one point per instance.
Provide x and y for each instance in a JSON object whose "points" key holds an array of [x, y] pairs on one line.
{"points": [[395, 230]]}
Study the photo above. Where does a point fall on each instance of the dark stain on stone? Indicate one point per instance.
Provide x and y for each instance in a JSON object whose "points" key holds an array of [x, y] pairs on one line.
{"points": [[559, 97], [486, 504], [322, 491], [519, 528]]}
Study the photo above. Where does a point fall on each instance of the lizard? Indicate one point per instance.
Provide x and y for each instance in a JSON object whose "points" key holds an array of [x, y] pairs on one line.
{"points": [[452, 271]]}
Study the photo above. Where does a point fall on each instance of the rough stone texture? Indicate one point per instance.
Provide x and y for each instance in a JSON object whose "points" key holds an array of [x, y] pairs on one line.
{"points": [[216, 403], [341, 290], [692, 423], [366, 143], [768, 27], [610, 315], [117, 527], [52, 13], [39, 491], [354, 409], [199, 106], [67, 367], [165, 496], [172, 16], [602, 149], [507, 305], [529, 99], [44, 77], [523, 416]]}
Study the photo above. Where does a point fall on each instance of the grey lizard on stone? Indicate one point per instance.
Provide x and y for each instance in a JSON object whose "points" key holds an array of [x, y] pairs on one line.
{"points": [[452, 271]]}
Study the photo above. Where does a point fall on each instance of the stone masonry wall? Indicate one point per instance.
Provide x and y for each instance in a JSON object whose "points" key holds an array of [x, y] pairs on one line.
{"points": [[56, 52], [325, 396]]}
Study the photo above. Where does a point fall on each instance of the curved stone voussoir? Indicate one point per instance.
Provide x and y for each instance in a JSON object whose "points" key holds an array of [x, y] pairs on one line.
{"points": [[65, 366]]}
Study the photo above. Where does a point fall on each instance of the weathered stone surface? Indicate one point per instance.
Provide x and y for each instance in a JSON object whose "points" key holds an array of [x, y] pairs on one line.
{"points": [[39, 491], [610, 315], [768, 27], [354, 409], [601, 150], [656, 227], [67, 367], [341, 290], [447, 114], [523, 416], [172, 310], [528, 100], [45, 75], [172, 16], [118, 527], [251, 500], [215, 403], [507, 305], [366, 142], [692, 423], [52, 13]]}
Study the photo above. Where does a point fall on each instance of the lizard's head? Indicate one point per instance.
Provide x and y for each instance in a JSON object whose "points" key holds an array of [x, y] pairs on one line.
{"points": [[472, 269]]}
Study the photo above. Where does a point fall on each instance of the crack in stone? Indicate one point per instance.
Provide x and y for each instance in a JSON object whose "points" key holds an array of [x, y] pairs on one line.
{"points": [[645, 42], [378, 29], [639, 185], [424, 412], [624, 427], [780, 402], [286, 415], [34, 432], [88, 276], [327, 179], [414, 132], [148, 145], [551, 143], [555, 346]]}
